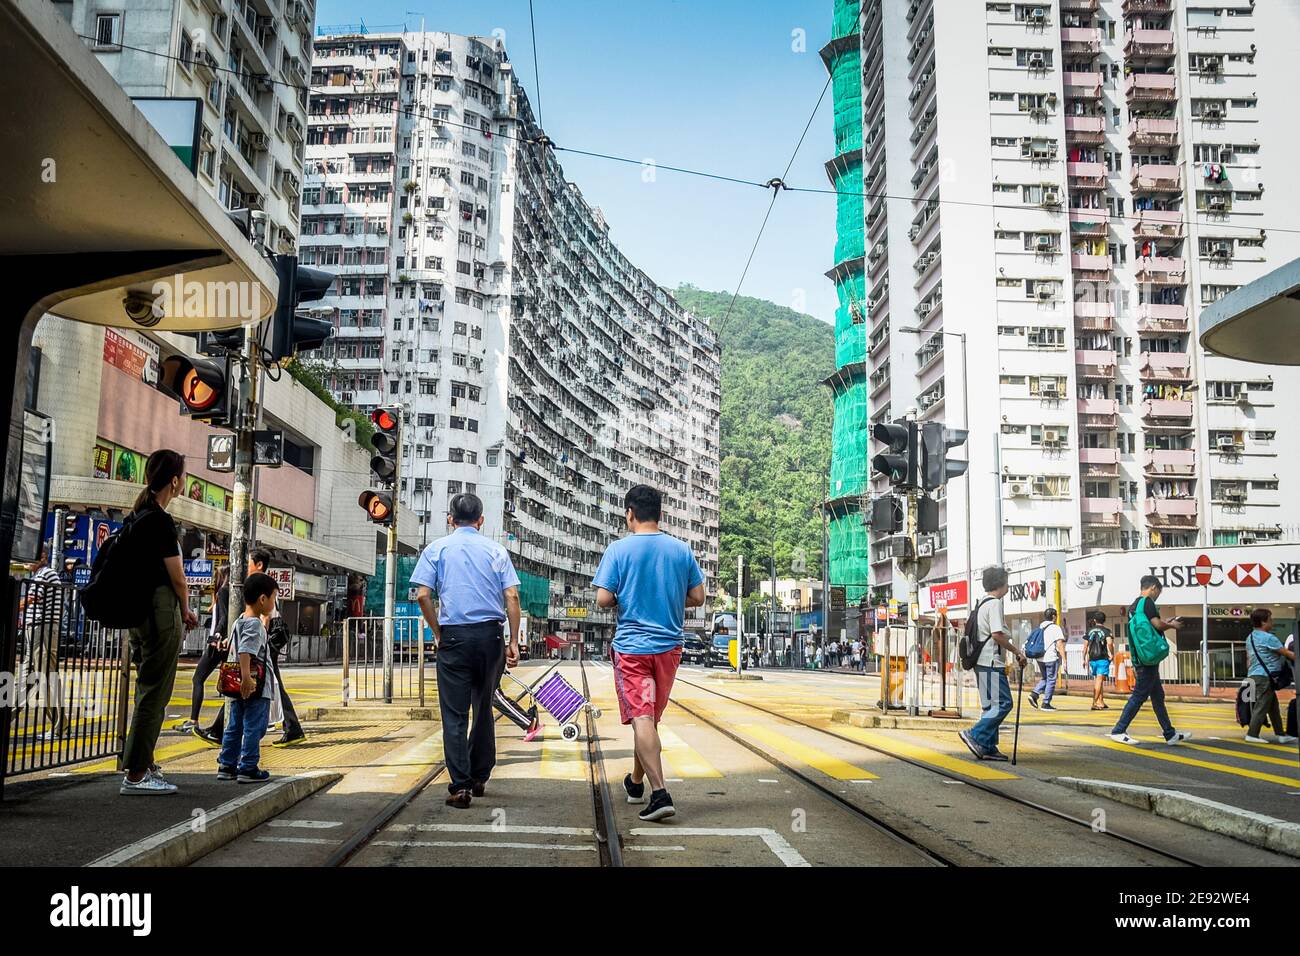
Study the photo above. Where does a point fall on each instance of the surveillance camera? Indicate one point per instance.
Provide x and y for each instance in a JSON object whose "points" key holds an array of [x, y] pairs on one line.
{"points": [[142, 309]]}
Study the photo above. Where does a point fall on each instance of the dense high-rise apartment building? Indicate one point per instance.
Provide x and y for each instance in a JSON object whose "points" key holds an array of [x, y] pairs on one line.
{"points": [[246, 60], [1060, 188], [476, 288]]}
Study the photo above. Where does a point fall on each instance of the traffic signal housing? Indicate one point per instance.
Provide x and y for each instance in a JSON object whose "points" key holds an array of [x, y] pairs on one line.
{"points": [[899, 460], [936, 467], [290, 331], [378, 505], [887, 514], [202, 386], [387, 422]]}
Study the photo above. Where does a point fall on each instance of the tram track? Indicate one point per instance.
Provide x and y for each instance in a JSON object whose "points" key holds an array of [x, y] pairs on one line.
{"points": [[938, 771]]}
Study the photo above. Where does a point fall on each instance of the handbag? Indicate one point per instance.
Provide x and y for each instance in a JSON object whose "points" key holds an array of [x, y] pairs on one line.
{"points": [[1281, 679], [230, 680]]}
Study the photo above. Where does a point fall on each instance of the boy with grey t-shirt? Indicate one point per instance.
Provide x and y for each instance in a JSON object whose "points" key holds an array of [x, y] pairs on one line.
{"points": [[247, 713]]}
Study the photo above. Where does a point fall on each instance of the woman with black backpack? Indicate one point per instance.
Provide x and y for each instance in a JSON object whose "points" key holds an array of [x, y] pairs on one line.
{"points": [[156, 642]]}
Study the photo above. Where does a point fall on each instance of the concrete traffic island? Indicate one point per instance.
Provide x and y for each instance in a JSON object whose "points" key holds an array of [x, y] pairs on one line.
{"points": [[732, 675], [1257, 829]]}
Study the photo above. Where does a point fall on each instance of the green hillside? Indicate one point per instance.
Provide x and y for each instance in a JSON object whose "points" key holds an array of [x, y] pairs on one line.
{"points": [[776, 431]]}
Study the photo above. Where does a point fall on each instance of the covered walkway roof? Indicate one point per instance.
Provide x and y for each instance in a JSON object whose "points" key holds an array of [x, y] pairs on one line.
{"points": [[1260, 322]]}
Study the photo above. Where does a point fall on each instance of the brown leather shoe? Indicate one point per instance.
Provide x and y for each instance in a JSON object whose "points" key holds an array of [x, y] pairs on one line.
{"points": [[460, 800]]}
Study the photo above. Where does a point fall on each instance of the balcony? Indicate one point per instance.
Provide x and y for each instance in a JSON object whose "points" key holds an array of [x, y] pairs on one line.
{"points": [[1159, 224], [1165, 367], [1135, 7], [1094, 316], [1100, 511], [1081, 40], [1153, 132], [1158, 177], [1095, 363], [1080, 5], [1151, 87], [1161, 270], [1167, 412], [1086, 175], [1085, 129], [1153, 317], [1083, 86], [1081, 262], [1098, 462], [1098, 412], [1151, 43], [1171, 512], [1088, 222], [1170, 463]]}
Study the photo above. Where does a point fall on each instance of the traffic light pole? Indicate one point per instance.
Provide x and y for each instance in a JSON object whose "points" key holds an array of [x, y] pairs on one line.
{"points": [[390, 576], [740, 608], [910, 572], [242, 509]]}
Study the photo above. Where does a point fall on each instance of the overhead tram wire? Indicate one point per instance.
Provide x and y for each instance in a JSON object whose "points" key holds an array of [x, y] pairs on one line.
{"points": [[779, 183], [776, 185]]}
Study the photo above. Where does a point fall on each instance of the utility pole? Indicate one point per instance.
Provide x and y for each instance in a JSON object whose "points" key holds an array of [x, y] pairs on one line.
{"points": [[245, 421], [390, 573], [740, 616], [911, 574]]}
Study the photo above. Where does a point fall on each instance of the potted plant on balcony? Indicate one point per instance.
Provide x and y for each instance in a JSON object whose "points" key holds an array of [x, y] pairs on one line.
{"points": [[408, 218], [410, 185]]}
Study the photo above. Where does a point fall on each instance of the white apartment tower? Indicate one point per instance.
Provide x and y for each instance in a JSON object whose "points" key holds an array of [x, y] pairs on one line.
{"points": [[246, 60], [1067, 184], [477, 289]]}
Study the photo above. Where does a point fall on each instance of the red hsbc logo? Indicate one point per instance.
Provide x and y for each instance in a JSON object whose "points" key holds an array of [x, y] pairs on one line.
{"points": [[1250, 575]]}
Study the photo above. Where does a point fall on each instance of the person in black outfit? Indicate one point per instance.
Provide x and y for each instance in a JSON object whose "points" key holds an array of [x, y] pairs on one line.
{"points": [[258, 561], [213, 654]]}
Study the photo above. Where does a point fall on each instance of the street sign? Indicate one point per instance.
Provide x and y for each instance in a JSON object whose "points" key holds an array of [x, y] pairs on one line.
{"points": [[81, 577], [949, 594], [268, 447], [198, 571], [1204, 570], [221, 452]]}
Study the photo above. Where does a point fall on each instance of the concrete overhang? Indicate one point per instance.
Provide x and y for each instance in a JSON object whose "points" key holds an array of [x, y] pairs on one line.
{"points": [[1260, 322], [95, 202]]}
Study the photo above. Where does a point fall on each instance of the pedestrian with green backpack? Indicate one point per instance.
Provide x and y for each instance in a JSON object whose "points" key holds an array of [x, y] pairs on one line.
{"points": [[1148, 647]]}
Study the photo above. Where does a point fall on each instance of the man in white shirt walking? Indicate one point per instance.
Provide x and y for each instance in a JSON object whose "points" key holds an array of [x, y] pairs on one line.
{"points": [[1050, 663]]}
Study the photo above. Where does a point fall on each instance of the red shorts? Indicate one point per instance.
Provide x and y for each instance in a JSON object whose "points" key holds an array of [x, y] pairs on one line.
{"points": [[643, 682]]}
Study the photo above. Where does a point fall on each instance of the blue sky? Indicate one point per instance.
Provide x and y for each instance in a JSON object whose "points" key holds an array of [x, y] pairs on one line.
{"points": [[706, 84]]}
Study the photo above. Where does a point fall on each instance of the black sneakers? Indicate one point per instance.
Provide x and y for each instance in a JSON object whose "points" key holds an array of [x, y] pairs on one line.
{"points": [[660, 806], [1033, 700], [635, 791]]}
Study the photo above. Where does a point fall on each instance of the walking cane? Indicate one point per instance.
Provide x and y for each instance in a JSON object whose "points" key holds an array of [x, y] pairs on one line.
{"points": [[1020, 693]]}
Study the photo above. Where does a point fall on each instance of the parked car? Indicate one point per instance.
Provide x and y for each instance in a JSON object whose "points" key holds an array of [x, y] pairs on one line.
{"points": [[722, 631]]}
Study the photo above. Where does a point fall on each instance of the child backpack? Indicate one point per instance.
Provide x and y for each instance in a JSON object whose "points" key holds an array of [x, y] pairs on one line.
{"points": [[1035, 647]]}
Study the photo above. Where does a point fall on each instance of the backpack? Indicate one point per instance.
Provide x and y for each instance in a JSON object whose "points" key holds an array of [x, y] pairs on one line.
{"points": [[118, 595], [1243, 705], [1035, 646], [1097, 649], [1147, 645], [969, 647]]}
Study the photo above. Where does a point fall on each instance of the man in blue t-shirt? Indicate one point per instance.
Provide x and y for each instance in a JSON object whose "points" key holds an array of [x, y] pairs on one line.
{"points": [[651, 578]]}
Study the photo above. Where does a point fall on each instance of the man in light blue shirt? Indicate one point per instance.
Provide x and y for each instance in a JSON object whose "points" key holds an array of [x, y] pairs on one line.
{"points": [[651, 578], [477, 592]]}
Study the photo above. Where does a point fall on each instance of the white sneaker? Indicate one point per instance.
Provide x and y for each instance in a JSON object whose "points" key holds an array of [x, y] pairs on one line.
{"points": [[1284, 739], [186, 726], [150, 785], [1124, 739], [1178, 737], [1255, 740]]}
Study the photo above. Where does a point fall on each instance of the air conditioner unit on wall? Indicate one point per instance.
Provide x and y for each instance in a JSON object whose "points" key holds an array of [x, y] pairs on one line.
{"points": [[1051, 436], [1018, 489]]}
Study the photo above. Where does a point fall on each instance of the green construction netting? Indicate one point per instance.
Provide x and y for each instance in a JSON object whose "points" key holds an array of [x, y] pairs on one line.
{"points": [[850, 558], [850, 336], [846, 88], [375, 586], [849, 227], [534, 594], [845, 22], [849, 442]]}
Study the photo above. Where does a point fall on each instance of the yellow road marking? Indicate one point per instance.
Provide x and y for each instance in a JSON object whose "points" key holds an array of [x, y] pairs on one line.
{"points": [[817, 759], [1261, 758], [159, 755], [683, 759], [561, 759], [976, 771], [1174, 758]]}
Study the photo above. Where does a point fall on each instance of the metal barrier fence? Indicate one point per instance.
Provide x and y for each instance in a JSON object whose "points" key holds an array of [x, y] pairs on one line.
{"points": [[313, 649], [923, 674], [363, 658], [69, 694]]}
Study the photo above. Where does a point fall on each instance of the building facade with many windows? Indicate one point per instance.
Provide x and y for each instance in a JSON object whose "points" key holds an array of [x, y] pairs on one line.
{"points": [[1066, 185], [537, 366]]}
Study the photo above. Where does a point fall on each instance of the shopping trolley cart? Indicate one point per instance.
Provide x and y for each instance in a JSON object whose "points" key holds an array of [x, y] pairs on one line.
{"points": [[559, 698], [512, 707]]}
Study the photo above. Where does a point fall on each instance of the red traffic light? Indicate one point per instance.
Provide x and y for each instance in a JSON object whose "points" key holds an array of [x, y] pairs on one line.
{"points": [[378, 506], [202, 386], [385, 419]]}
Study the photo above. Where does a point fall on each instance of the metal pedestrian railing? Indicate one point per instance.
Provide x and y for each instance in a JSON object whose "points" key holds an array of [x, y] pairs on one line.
{"points": [[313, 649], [68, 692], [364, 663]]}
